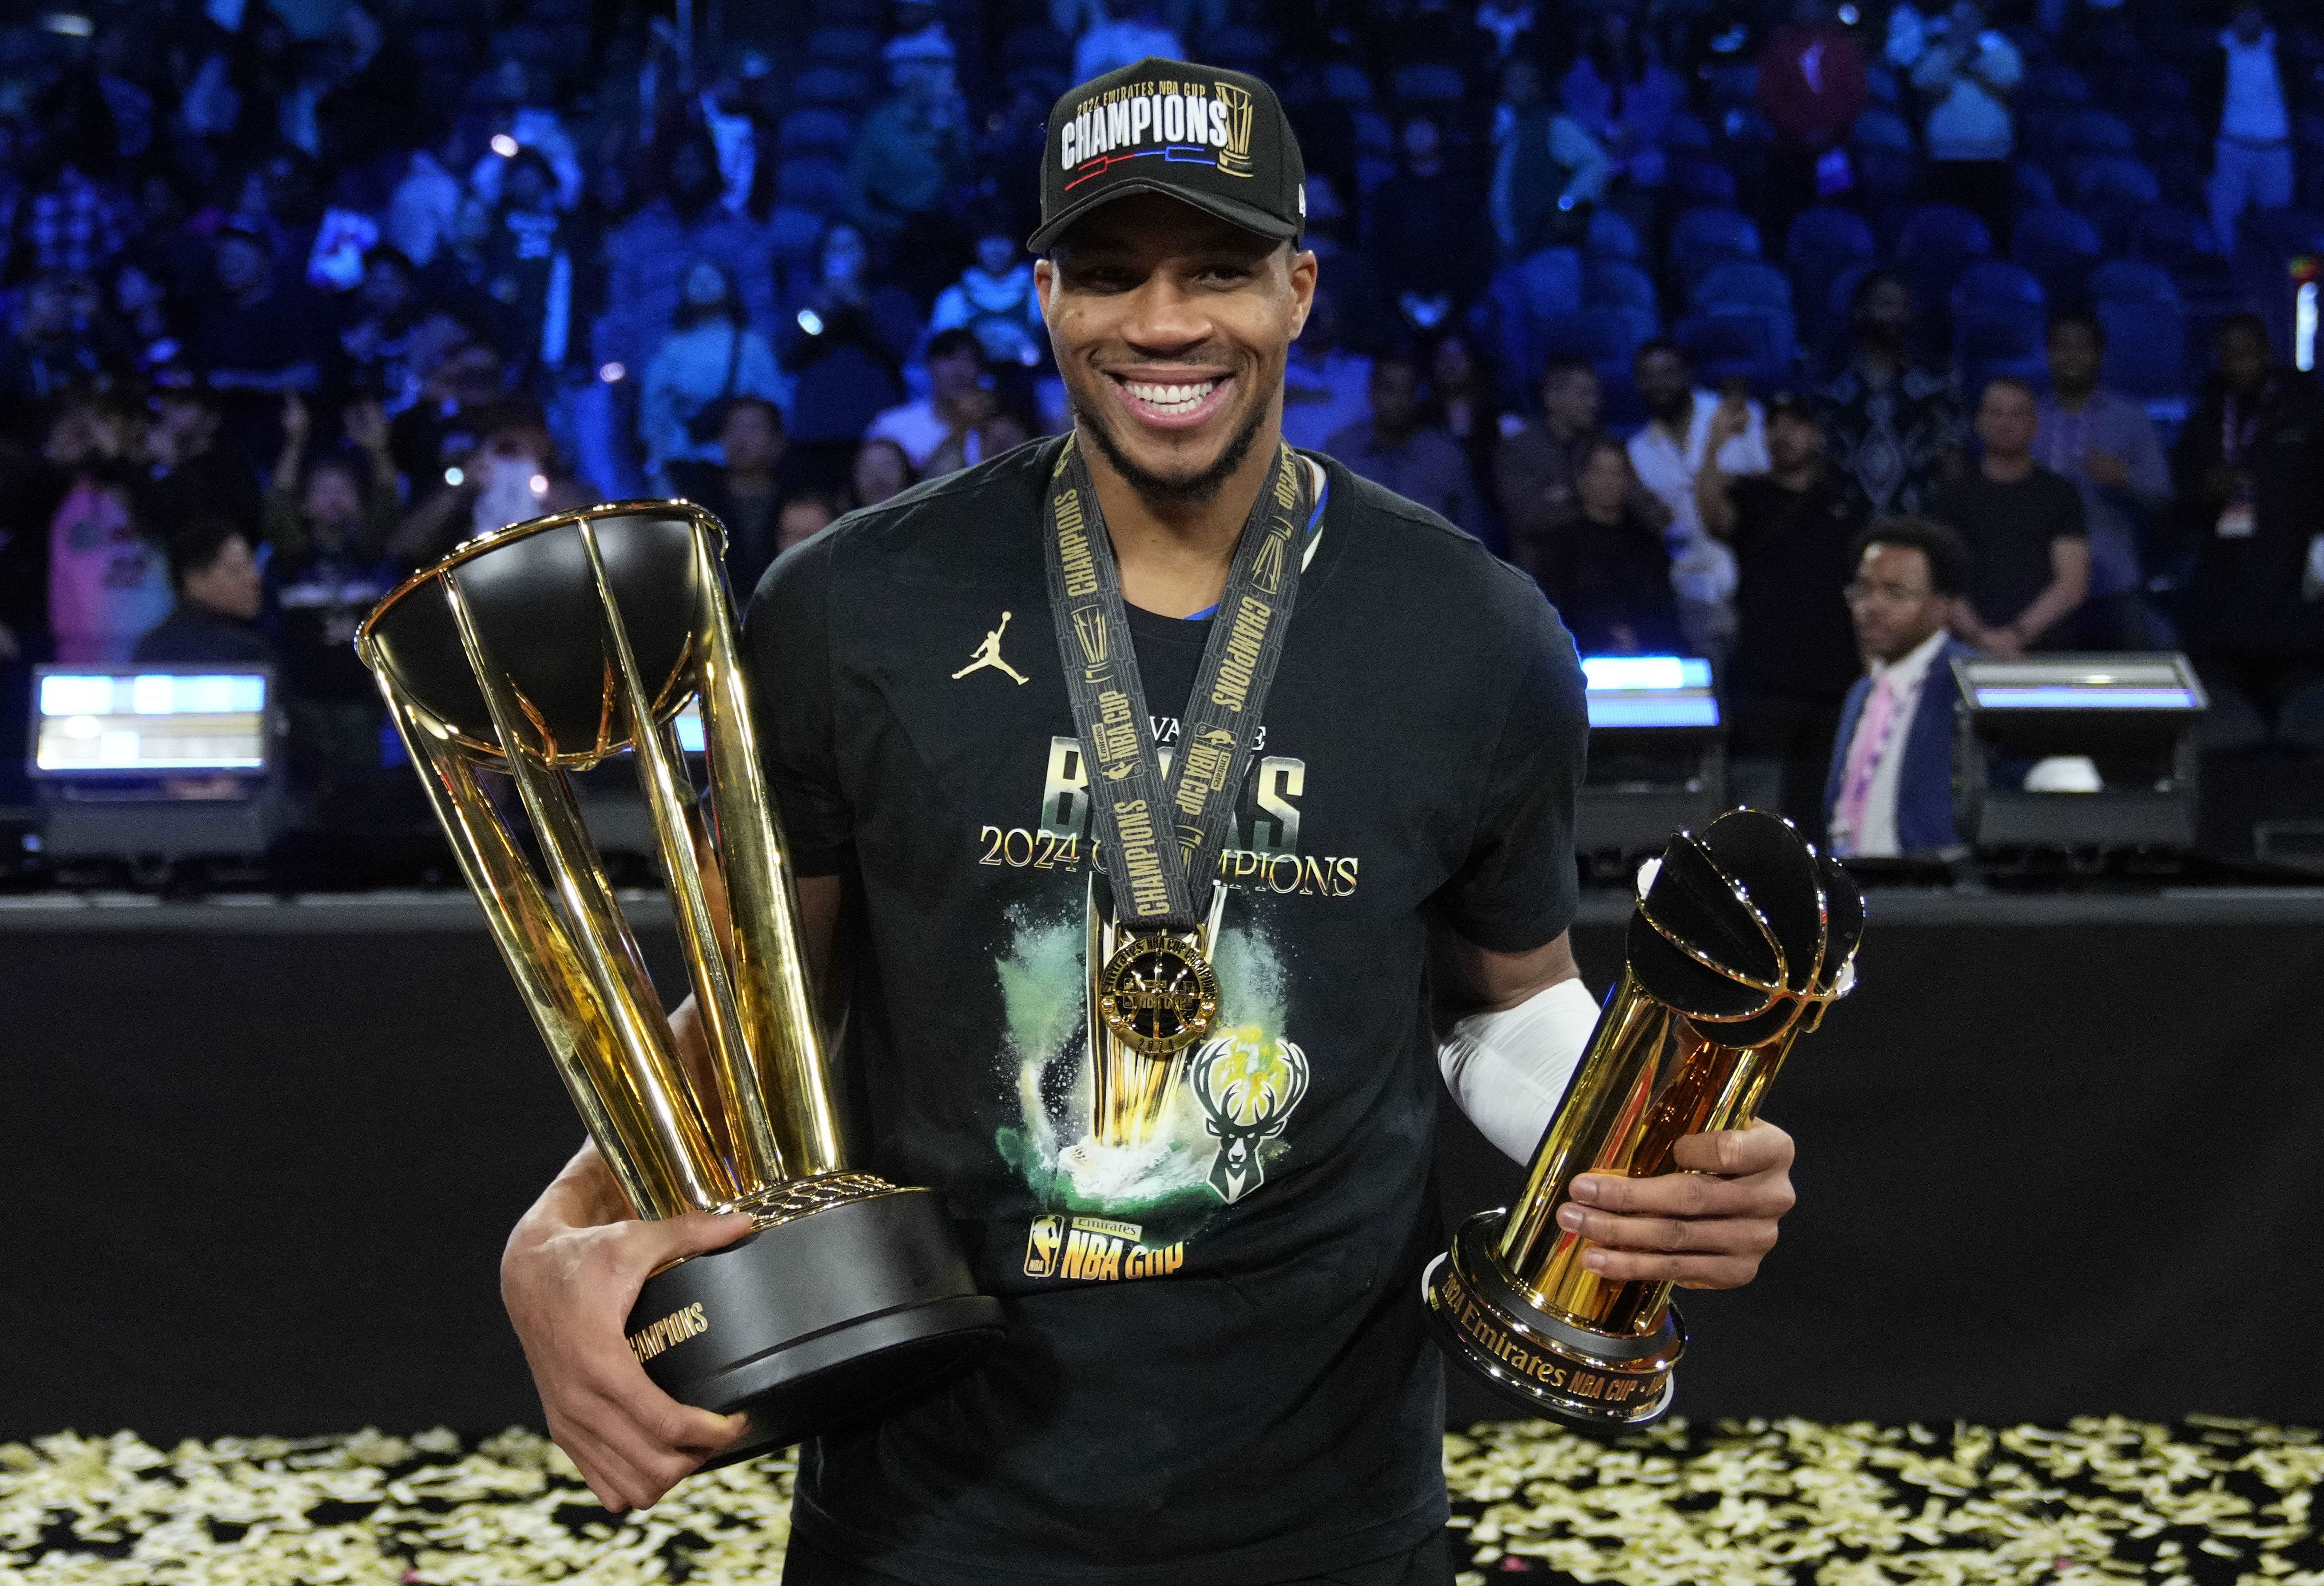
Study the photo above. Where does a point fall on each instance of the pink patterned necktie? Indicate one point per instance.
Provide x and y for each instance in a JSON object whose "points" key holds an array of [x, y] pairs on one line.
{"points": [[1864, 760]]}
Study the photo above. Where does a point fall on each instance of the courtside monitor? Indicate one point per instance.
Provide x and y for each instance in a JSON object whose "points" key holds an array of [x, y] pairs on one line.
{"points": [[1650, 691], [2077, 752], [116, 724], [1657, 757]]}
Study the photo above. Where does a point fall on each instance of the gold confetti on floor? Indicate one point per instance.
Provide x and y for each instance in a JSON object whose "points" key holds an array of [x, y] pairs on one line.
{"points": [[1784, 1503]]}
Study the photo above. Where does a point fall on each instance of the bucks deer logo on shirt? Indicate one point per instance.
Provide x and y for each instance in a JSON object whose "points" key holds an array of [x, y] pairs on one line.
{"points": [[1246, 1088]]}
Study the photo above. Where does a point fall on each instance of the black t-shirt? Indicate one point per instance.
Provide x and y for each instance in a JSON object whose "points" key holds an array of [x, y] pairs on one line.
{"points": [[1237, 1388], [1793, 640], [2008, 528]]}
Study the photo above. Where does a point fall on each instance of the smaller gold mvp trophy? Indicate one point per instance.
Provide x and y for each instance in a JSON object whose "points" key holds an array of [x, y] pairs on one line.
{"points": [[544, 649], [1740, 939]]}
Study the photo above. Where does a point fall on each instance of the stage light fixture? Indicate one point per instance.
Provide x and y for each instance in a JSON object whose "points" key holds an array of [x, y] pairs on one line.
{"points": [[1658, 753], [2076, 752], [161, 761]]}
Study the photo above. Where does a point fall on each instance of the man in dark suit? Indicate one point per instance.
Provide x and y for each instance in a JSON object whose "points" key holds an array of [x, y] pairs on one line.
{"points": [[1890, 791]]}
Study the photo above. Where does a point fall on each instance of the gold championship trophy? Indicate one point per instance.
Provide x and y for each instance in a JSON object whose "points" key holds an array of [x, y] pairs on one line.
{"points": [[1740, 939], [541, 650]]}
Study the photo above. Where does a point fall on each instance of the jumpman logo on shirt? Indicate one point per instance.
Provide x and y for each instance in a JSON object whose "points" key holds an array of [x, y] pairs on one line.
{"points": [[988, 654]]}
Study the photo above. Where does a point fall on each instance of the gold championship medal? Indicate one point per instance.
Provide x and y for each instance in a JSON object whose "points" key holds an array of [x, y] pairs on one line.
{"points": [[1158, 993]]}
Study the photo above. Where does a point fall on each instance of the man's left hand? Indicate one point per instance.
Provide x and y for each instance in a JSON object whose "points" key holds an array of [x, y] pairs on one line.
{"points": [[1704, 1227]]}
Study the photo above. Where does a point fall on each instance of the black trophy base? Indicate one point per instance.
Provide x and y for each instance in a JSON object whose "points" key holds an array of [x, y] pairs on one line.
{"points": [[1544, 1362], [810, 1325]]}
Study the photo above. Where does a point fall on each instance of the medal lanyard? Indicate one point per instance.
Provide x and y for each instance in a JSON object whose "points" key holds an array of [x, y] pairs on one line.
{"points": [[1162, 837]]}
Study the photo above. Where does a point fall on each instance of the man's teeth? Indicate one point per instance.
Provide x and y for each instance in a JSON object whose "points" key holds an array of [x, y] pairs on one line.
{"points": [[1177, 397]]}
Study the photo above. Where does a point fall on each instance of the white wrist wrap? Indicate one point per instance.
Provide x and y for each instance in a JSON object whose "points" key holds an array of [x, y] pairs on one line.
{"points": [[1508, 1070]]}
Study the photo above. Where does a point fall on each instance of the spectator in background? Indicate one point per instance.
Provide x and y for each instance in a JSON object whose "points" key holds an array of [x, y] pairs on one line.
{"points": [[2106, 444], [2240, 90], [2029, 545], [109, 580], [1535, 469], [329, 521], [512, 472], [1792, 529], [1667, 454], [257, 335], [741, 487], [1423, 232], [994, 301], [2251, 475], [844, 338], [709, 355], [52, 341], [530, 261], [958, 404], [648, 256], [880, 471], [219, 598], [1894, 424], [1619, 93], [805, 514], [1890, 791], [1461, 407], [1965, 73], [381, 344], [1325, 387], [1547, 171], [459, 382], [73, 220], [1394, 449], [1812, 86], [420, 211], [909, 154], [189, 475], [1605, 568]]}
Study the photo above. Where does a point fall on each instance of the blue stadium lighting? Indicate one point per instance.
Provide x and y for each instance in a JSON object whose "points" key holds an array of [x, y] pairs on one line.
{"points": [[1694, 711], [1650, 691], [152, 693], [1628, 673], [2060, 697], [149, 722]]}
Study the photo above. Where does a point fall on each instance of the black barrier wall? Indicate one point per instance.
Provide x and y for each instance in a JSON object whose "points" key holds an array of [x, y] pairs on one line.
{"points": [[2054, 1159]]}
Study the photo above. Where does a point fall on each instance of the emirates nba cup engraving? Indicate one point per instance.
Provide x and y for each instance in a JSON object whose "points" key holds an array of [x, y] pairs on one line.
{"points": [[1740, 939]]}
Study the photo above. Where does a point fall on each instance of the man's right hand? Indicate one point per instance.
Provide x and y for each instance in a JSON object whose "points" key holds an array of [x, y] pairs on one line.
{"points": [[571, 1271]]}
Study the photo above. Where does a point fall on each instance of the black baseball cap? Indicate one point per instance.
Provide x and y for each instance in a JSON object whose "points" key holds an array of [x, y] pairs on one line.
{"points": [[1213, 138]]}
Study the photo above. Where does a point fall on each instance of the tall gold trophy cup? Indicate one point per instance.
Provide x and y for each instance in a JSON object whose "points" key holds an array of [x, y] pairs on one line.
{"points": [[1740, 939], [547, 648]]}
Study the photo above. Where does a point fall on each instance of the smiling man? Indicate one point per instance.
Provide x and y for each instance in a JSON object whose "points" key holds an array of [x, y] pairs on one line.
{"points": [[1149, 766]]}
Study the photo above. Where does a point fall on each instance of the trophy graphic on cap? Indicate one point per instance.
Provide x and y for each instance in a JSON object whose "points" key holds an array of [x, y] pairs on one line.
{"points": [[547, 648], [1234, 160], [1740, 939]]}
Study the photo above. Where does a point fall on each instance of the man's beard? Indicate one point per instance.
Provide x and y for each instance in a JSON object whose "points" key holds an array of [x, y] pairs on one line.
{"points": [[1201, 489]]}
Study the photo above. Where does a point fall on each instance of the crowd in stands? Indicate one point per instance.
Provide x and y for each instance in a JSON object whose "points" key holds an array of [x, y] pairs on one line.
{"points": [[1672, 302]]}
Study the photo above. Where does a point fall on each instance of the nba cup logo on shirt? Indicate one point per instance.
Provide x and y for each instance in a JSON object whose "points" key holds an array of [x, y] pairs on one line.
{"points": [[1183, 123]]}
